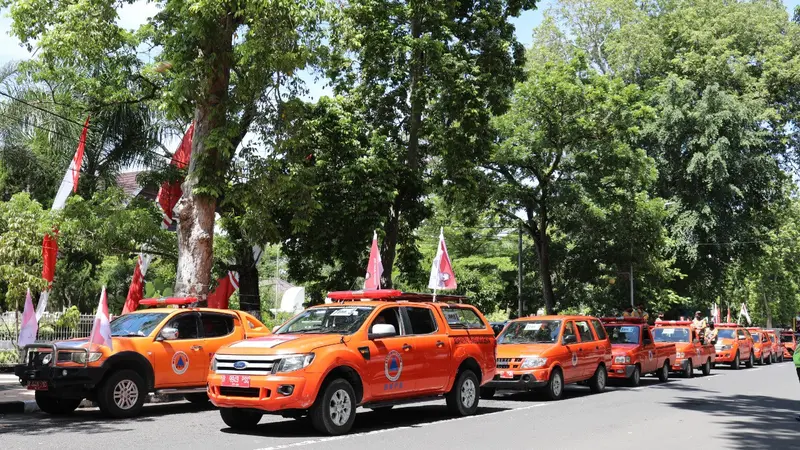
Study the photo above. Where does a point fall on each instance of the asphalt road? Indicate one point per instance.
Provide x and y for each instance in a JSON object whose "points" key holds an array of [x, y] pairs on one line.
{"points": [[748, 409]]}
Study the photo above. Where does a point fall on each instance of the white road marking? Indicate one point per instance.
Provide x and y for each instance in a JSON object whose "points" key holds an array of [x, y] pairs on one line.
{"points": [[388, 430]]}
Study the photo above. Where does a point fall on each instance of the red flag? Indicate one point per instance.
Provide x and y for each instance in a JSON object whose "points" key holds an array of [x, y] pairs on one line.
{"points": [[226, 286], [101, 329], [442, 276], [372, 280], [78, 160], [49, 254], [70, 182], [170, 193], [136, 290]]}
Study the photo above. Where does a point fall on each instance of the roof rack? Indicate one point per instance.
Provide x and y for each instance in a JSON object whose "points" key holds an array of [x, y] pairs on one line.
{"points": [[666, 323], [393, 295], [164, 301], [635, 320]]}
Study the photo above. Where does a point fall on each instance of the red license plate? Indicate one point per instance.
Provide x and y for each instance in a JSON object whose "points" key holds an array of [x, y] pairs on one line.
{"points": [[507, 374], [37, 385], [236, 381]]}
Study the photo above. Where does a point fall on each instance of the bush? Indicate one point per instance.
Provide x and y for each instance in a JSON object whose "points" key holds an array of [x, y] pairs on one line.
{"points": [[9, 357], [46, 333], [272, 320], [69, 319]]}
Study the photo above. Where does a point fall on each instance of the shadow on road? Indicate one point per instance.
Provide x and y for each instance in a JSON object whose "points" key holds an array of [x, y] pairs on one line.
{"points": [[366, 421], [751, 421], [90, 421]]}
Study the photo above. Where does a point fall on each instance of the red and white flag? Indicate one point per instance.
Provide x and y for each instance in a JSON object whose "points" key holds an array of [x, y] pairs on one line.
{"points": [[171, 192], [372, 280], [226, 286], [743, 312], [442, 276], [136, 290], [101, 329], [30, 325], [70, 182], [717, 315]]}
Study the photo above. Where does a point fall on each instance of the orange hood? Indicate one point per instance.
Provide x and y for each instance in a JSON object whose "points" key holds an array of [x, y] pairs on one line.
{"points": [[278, 344]]}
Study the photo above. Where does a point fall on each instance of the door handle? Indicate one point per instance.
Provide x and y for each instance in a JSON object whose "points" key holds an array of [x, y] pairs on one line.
{"points": [[197, 347], [406, 347], [597, 347], [580, 349], [439, 344]]}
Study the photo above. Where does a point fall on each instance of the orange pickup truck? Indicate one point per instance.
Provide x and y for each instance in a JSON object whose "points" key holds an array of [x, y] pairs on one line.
{"points": [[777, 346], [734, 346], [634, 351], [546, 352], [164, 350], [762, 346], [374, 349], [690, 353]]}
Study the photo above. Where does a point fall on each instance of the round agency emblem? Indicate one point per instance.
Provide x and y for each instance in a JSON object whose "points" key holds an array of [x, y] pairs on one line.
{"points": [[393, 365], [180, 363], [574, 359]]}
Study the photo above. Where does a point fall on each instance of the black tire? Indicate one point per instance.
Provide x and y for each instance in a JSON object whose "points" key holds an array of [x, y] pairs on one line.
{"points": [[597, 383], [689, 371], [55, 405], [636, 378], [487, 393], [200, 398], [462, 400], [707, 368], [769, 360], [334, 411], [240, 419], [780, 358], [122, 394], [751, 361], [737, 363], [663, 374], [761, 360], [555, 386]]}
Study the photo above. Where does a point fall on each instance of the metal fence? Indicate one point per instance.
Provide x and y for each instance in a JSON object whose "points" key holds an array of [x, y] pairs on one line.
{"points": [[49, 330]]}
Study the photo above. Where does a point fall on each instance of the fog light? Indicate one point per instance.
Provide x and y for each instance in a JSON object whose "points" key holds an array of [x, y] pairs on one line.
{"points": [[286, 389], [64, 373], [526, 378]]}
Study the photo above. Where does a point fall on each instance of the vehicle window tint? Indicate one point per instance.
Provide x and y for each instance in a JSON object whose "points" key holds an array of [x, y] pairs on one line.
{"points": [[584, 331], [569, 331], [646, 333], [462, 318], [390, 316], [740, 333], [599, 329], [186, 324], [216, 325], [421, 320]]}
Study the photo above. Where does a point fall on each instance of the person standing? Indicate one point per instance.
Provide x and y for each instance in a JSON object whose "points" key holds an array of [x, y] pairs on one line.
{"points": [[641, 313], [660, 317]]}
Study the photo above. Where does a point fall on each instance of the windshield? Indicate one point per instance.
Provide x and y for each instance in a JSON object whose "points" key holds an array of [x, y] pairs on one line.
{"points": [[623, 334], [728, 333], [531, 332], [328, 320], [139, 324], [756, 336], [787, 338], [671, 334]]}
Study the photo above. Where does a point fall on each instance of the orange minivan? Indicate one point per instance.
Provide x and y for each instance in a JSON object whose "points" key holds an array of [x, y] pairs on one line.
{"points": [[789, 341], [777, 346], [544, 353], [762, 347]]}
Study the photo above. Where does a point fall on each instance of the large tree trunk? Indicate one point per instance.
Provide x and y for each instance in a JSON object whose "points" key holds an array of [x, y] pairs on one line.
{"points": [[389, 245], [542, 242], [249, 295], [196, 210]]}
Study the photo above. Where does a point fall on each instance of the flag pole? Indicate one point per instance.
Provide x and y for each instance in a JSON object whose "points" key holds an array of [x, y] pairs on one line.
{"points": [[434, 295]]}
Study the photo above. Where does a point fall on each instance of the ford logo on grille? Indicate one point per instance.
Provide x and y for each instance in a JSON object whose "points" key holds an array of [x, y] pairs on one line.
{"points": [[239, 365]]}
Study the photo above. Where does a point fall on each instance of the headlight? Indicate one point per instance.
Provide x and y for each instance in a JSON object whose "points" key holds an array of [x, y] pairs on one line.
{"points": [[293, 362], [622, 360], [725, 347], [679, 355], [82, 358], [533, 362]]}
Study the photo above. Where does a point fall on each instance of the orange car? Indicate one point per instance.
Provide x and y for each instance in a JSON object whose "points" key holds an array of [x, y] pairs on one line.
{"points": [[690, 352], [373, 349], [777, 346], [546, 352], [634, 351], [789, 341], [734, 345], [154, 350], [762, 346]]}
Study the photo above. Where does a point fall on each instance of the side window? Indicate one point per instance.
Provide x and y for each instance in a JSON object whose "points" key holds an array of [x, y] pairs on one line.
{"points": [[740, 333], [390, 316], [569, 330], [461, 318], [216, 325], [646, 333], [186, 324], [421, 320], [599, 330], [584, 331]]}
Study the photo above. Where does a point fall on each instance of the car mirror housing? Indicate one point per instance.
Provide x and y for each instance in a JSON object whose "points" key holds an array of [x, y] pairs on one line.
{"points": [[382, 330], [168, 334]]}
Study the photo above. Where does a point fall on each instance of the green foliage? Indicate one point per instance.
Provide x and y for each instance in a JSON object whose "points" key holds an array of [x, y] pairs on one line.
{"points": [[157, 288], [9, 357], [22, 225], [69, 319]]}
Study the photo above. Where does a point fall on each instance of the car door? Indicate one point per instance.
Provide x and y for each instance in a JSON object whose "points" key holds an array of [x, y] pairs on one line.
{"points": [[745, 343], [648, 357], [218, 329], [589, 350], [570, 361], [180, 361], [431, 347], [392, 366]]}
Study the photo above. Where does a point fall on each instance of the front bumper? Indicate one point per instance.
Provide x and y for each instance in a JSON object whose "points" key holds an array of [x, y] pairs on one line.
{"points": [[62, 381], [680, 365], [263, 393], [725, 356], [621, 370], [521, 380]]}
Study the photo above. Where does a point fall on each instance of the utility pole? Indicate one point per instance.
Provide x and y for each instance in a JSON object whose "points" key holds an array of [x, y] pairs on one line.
{"points": [[519, 273], [277, 276]]}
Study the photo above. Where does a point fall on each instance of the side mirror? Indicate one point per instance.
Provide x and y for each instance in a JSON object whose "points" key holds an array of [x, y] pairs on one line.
{"points": [[382, 330], [168, 334], [570, 339], [647, 341]]}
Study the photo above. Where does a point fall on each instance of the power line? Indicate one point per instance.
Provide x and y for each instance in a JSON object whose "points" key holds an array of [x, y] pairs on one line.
{"points": [[5, 94], [22, 121]]}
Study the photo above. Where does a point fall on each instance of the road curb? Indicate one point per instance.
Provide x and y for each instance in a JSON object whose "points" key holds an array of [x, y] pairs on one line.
{"points": [[19, 407]]}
